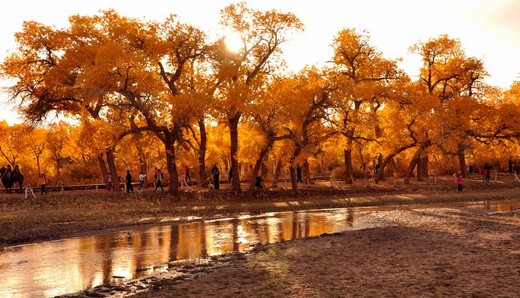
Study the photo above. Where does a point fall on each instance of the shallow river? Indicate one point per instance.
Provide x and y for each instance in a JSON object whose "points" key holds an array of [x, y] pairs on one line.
{"points": [[66, 266]]}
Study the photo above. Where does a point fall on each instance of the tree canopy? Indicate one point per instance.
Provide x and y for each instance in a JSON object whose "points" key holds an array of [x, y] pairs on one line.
{"points": [[144, 94]]}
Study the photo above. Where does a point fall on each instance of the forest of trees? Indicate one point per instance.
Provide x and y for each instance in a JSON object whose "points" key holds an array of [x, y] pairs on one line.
{"points": [[140, 94]]}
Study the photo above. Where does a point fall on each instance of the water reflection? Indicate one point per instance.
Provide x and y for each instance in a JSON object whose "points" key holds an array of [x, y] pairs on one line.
{"points": [[60, 267]]}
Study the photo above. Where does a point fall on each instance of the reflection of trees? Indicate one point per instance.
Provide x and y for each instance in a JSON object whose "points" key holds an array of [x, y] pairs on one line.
{"points": [[235, 223], [105, 248], [99, 258], [191, 241]]}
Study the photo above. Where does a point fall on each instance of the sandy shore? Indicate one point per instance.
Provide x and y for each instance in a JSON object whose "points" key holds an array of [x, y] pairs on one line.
{"points": [[417, 253]]}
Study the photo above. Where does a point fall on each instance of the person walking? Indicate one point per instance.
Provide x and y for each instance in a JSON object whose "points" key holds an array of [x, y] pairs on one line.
{"points": [[141, 178], [158, 180], [459, 182], [129, 186], [43, 183]]}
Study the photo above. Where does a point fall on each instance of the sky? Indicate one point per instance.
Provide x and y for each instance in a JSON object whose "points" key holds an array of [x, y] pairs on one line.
{"points": [[488, 30]]}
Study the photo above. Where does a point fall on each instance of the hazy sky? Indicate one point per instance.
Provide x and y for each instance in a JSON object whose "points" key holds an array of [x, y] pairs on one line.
{"points": [[489, 30]]}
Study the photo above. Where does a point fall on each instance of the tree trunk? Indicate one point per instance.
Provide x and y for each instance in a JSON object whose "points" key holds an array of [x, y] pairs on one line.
{"points": [[294, 183], [425, 163], [415, 160], [113, 170], [462, 163], [38, 166], [379, 162], [390, 157], [409, 172], [256, 168], [348, 165], [233, 132], [277, 173], [202, 154], [103, 167], [172, 168], [292, 169], [420, 169], [306, 172]]}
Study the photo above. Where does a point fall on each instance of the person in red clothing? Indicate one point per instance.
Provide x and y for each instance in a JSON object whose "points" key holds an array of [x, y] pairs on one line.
{"points": [[43, 183], [459, 182]]}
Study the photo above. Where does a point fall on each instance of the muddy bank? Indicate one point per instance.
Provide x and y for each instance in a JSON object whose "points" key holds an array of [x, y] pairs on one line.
{"points": [[419, 253], [80, 213]]}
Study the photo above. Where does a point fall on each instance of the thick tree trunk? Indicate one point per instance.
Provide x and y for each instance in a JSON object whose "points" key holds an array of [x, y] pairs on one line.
{"points": [[113, 170], [409, 172], [172, 168], [292, 169], [425, 163], [388, 159], [202, 154], [462, 163], [416, 161], [233, 132], [348, 165]]}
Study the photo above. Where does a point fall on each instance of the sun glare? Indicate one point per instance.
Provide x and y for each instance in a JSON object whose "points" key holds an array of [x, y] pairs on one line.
{"points": [[234, 42]]}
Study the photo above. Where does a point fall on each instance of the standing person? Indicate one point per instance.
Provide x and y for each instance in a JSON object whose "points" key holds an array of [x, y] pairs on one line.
{"points": [[158, 180], [299, 174], [216, 176], [459, 182], [129, 186], [187, 172], [141, 177], [485, 175], [43, 183], [8, 172]]}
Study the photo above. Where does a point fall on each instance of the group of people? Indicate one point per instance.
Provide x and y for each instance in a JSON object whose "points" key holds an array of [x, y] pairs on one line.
{"points": [[486, 176], [158, 180]]}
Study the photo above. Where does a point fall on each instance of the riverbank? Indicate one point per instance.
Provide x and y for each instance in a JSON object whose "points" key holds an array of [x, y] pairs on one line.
{"points": [[78, 213], [420, 252], [441, 252]]}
